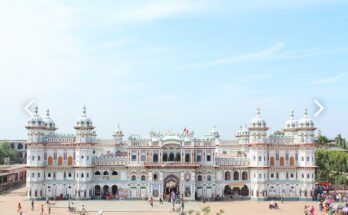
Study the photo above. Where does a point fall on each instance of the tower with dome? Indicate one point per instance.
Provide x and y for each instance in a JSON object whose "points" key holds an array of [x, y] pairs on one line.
{"points": [[255, 165]]}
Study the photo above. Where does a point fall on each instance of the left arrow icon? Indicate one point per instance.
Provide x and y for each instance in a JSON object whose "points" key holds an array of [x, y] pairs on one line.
{"points": [[321, 108], [27, 108]]}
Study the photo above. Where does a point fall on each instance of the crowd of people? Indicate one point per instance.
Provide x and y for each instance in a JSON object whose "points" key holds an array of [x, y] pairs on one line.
{"points": [[335, 203]]}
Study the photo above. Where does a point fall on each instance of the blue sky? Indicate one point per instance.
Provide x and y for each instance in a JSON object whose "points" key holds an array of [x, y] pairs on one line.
{"points": [[173, 64]]}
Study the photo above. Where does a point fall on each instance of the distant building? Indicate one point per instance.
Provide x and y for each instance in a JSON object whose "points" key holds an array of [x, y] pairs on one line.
{"points": [[11, 175], [20, 148], [254, 166]]}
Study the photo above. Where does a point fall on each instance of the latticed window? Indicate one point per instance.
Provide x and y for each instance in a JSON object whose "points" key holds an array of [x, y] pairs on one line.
{"points": [[271, 161], [50, 161], [292, 161], [281, 162], [60, 161]]}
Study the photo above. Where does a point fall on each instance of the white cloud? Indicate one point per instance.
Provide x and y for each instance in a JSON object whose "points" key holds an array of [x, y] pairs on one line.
{"points": [[253, 56], [330, 80]]}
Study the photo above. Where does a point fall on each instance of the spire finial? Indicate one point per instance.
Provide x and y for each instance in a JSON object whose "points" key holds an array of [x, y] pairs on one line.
{"points": [[241, 126], [258, 111], [48, 112], [36, 110], [84, 110], [306, 112], [292, 114]]}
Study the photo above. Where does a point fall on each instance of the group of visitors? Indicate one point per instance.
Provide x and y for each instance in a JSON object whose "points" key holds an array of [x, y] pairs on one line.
{"points": [[335, 203], [308, 210]]}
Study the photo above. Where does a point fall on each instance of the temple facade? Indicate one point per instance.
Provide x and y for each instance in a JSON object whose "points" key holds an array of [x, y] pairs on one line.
{"points": [[255, 165]]}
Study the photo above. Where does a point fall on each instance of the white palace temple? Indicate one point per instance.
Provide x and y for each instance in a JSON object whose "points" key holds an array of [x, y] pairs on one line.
{"points": [[255, 165]]}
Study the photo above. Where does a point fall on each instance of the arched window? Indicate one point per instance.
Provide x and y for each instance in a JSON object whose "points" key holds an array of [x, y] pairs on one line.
{"points": [[187, 158], [292, 161], [134, 178], [165, 157], [178, 156], [50, 161], [70, 161], [199, 178], [143, 178], [171, 156], [60, 161], [272, 175], [155, 177], [155, 157], [97, 173], [227, 176], [105, 173], [281, 161], [20, 146], [244, 176], [236, 176], [114, 173], [271, 161], [291, 175], [209, 178]]}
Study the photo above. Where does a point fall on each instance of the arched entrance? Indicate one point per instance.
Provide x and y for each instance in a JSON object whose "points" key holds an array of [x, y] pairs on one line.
{"points": [[114, 190], [106, 190], [171, 184], [228, 191], [97, 190]]}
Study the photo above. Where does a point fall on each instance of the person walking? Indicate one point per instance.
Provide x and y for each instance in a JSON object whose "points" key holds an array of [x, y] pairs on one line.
{"points": [[49, 209], [151, 201], [32, 205], [42, 209], [161, 200], [19, 207]]}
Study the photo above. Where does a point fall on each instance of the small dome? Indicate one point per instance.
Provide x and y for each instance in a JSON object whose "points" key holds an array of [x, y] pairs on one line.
{"points": [[291, 123], [118, 132], [49, 121], [305, 122], [214, 132], [84, 121], [36, 120], [258, 122], [243, 131]]}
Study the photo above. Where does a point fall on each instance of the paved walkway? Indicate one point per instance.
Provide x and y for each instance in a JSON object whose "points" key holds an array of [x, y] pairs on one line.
{"points": [[8, 206]]}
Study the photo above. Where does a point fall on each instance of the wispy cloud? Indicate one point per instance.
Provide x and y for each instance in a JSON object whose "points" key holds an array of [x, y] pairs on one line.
{"points": [[253, 56], [330, 80], [274, 53]]}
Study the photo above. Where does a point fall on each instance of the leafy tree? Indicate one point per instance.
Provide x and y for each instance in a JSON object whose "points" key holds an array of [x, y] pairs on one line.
{"points": [[322, 141], [340, 142], [6, 151]]}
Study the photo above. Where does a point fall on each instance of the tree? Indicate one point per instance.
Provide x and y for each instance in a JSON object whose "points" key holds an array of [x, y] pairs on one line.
{"points": [[340, 142], [322, 141], [6, 152]]}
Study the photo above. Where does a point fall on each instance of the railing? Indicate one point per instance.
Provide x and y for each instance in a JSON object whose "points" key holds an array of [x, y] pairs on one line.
{"points": [[236, 161], [110, 160], [171, 164]]}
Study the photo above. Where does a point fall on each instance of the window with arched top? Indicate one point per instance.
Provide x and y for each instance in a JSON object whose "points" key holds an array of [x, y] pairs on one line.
{"points": [[105, 173], [227, 176], [70, 161], [155, 177], [199, 178], [209, 178], [187, 158], [143, 178], [134, 178], [97, 173], [114, 173], [60, 161], [155, 157], [282, 161], [271, 161], [236, 176], [244, 176], [292, 161], [50, 161], [165, 157]]}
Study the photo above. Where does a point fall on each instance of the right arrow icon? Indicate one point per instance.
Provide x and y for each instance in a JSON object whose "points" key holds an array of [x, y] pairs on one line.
{"points": [[321, 108]]}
